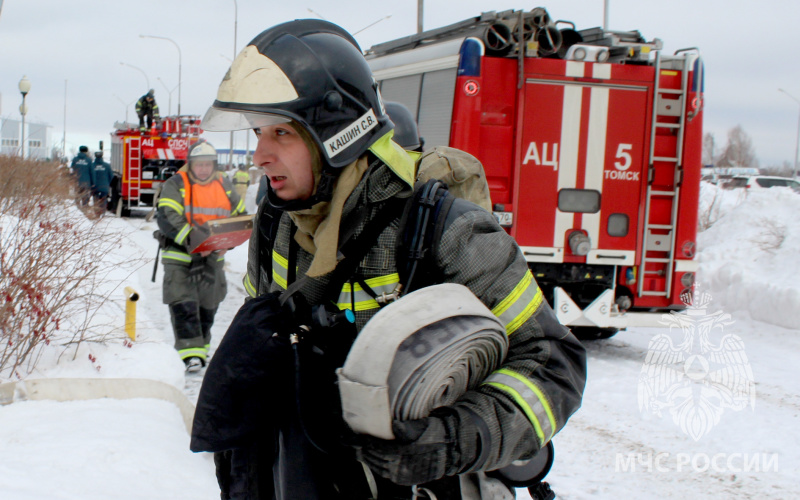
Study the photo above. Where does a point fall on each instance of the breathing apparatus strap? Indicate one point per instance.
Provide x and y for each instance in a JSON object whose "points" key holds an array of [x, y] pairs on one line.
{"points": [[354, 248]]}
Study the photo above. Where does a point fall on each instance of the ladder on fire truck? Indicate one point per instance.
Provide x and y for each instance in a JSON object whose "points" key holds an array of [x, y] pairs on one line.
{"points": [[134, 172], [659, 238]]}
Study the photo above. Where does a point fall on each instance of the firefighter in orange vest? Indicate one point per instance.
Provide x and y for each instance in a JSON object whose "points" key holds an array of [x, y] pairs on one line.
{"points": [[194, 283]]}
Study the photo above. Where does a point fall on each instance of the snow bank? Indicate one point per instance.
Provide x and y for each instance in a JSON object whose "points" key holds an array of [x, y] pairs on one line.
{"points": [[748, 254]]}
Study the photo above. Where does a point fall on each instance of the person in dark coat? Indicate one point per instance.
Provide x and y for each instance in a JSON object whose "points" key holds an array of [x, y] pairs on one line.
{"points": [[103, 175], [83, 172]]}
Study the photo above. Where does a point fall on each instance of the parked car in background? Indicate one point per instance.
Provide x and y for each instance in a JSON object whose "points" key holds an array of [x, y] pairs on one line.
{"points": [[760, 182]]}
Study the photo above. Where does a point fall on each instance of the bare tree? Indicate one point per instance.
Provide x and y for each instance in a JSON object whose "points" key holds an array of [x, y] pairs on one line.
{"points": [[708, 149], [739, 151], [786, 169]]}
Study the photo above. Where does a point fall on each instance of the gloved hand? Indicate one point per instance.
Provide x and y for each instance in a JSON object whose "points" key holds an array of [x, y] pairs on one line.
{"points": [[196, 271], [445, 443], [209, 273], [197, 235]]}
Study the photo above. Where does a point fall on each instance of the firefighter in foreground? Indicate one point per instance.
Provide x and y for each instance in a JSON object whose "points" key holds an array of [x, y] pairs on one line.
{"points": [[146, 107], [194, 284], [325, 145]]}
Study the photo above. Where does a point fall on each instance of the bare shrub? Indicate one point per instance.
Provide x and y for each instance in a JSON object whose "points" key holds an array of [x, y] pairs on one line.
{"points": [[709, 214], [53, 275], [772, 235]]}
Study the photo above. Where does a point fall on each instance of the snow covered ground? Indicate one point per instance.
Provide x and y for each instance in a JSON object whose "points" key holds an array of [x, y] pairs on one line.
{"points": [[731, 445]]}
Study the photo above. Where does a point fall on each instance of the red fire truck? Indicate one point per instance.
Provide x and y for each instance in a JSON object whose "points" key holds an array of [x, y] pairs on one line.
{"points": [[591, 141], [141, 160]]}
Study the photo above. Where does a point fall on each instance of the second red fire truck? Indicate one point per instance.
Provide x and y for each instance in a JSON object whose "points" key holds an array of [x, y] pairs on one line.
{"points": [[591, 141], [143, 159]]}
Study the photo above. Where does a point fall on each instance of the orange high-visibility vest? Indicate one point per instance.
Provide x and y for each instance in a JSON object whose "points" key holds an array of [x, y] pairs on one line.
{"points": [[203, 203]]}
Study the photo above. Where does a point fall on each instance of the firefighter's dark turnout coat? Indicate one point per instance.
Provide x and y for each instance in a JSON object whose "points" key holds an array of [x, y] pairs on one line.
{"points": [[524, 403]]}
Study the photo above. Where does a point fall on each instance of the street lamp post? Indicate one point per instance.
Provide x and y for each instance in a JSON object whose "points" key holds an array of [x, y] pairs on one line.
{"points": [[169, 92], [235, 27], [797, 141], [127, 105], [140, 70], [24, 88], [180, 58]]}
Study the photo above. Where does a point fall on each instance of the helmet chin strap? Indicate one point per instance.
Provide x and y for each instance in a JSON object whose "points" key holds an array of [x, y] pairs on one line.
{"points": [[324, 192]]}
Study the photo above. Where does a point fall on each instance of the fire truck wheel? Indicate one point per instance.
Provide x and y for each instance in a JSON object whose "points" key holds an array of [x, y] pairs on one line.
{"points": [[591, 333]]}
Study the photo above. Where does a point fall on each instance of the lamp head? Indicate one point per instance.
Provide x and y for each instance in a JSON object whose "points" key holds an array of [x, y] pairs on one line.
{"points": [[24, 85]]}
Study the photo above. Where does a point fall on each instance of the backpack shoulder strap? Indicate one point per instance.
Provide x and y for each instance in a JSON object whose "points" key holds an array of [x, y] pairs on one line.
{"points": [[421, 225], [263, 239]]}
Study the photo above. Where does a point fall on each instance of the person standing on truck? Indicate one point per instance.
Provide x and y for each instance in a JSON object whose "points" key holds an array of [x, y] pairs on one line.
{"points": [[194, 283], [83, 172], [324, 142], [241, 179], [103, 175], [146, 107]]}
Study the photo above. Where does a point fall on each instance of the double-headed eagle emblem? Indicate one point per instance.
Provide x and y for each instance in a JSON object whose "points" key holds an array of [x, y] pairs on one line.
{"points": [[694, 379]]}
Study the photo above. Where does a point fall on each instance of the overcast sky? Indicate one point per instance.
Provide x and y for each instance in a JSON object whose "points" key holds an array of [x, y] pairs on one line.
{"points": [[749, 48]]}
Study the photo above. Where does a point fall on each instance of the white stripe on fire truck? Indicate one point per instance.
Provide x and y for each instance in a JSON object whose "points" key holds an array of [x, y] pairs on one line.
{"points": [[170, 154], [568, 156], [595, 156], [601, 71], [575, 69], [161, 155]]}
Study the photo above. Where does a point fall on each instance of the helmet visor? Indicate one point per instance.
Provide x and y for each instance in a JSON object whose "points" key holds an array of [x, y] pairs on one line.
{"points": [[224, 120]]}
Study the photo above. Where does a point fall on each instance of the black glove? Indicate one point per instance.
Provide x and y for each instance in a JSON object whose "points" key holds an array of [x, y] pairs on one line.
{"points": [[196, 271], [210, 273], [445, 444]]}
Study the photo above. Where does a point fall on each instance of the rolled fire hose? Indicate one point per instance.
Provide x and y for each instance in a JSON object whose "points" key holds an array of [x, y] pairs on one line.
{"points": [[421, 352]]}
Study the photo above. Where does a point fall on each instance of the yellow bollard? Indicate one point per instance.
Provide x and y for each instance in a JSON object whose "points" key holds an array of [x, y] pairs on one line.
{"points": [[130, 312]]}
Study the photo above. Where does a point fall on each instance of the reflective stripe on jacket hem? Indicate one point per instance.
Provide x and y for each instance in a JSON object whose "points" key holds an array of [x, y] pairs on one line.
{"points": [[363, 300], [179, 256]]}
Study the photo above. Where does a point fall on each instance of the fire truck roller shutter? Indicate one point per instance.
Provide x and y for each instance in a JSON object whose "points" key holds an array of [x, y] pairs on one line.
{"points": [[430, 97], [436, 106], [405, 90]]}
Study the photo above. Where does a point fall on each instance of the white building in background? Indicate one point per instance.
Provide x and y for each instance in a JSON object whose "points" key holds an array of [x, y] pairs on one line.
{"points": [[37, 137]]}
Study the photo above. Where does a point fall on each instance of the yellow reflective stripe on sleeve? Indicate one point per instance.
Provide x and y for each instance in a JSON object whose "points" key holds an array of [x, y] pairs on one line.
{"points": [[364, 301], [198, 352], [520, 304], [182, 234], [280, 267], [240, 208], [248, 286], [179, 256], [167, 202], [529, 398]]}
